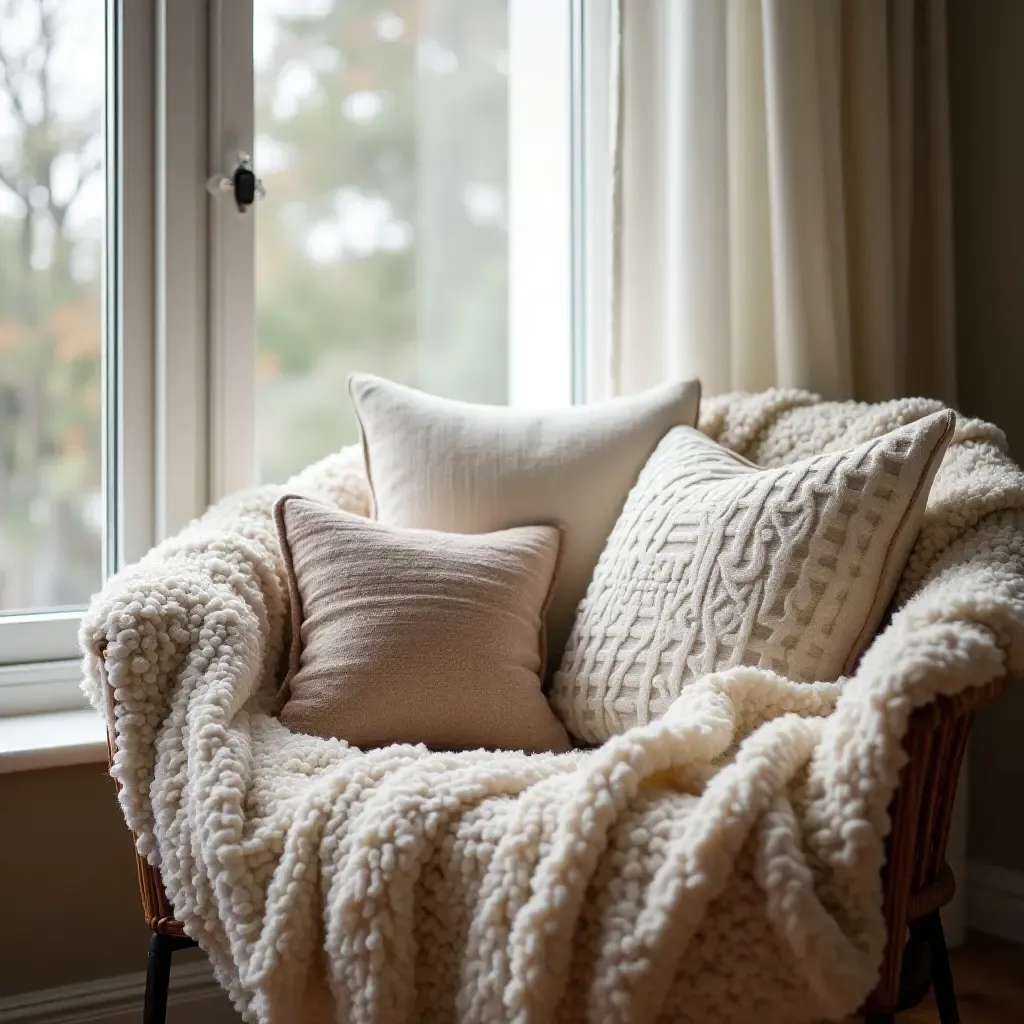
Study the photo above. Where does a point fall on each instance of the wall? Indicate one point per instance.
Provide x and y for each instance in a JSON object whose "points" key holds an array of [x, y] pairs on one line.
{"points": [[986, 51], [69, 898]]}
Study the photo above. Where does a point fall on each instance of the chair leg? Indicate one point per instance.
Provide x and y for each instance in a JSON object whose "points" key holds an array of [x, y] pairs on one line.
{"points": [[930, 929], [158, 975], [158, 978]]}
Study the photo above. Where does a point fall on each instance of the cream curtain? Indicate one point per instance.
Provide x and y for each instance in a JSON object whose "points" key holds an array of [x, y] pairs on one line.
{"points": [[782, 197]]}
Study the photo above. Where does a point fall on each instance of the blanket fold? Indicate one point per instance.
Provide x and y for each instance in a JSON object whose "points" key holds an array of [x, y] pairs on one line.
{"points": [[721, 863]]}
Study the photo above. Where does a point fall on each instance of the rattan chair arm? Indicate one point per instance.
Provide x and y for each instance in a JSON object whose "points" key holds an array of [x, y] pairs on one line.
{"points": [[916, 879], [155, 906]]}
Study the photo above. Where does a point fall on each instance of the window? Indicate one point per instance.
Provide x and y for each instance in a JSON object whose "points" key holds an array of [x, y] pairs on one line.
{"points": [[51, 303], [52, 227], [416, 155], [382, 135], [158, 348], [60, 488]]}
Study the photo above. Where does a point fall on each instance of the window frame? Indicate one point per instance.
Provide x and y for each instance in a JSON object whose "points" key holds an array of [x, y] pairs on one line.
{"points": [[232, 328], [40, 660], [595, 50], [179, 376]]}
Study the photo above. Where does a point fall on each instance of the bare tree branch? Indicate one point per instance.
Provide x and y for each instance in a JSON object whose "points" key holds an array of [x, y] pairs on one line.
{"points": [[7, 69], [10, 69], [47, 34], [8, 182], [14, 74], [85, 171]]}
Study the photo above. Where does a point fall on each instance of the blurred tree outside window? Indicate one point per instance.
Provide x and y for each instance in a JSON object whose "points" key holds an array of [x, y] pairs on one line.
{"points": [[52, 81], [382, 137]]}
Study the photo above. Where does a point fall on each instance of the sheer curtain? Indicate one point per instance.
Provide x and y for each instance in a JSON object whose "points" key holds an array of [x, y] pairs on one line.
{"points": [[782, 197]]}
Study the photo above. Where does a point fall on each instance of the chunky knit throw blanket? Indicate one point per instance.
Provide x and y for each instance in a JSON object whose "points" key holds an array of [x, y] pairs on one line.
{"points": [[720, 864]]}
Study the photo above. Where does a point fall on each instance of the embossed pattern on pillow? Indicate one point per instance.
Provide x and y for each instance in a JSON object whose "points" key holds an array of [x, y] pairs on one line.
{"points": [[715, 562]]}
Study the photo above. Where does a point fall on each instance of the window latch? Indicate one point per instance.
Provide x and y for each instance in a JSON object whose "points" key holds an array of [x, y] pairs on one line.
{"points": [[241, 182]]}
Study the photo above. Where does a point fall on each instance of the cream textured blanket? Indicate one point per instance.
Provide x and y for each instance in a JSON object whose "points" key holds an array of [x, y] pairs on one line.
{"points": [[720, 864]]}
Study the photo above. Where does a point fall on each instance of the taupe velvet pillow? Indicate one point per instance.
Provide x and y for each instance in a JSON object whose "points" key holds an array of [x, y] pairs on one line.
{"points": [[437, 464], [417, 636]]}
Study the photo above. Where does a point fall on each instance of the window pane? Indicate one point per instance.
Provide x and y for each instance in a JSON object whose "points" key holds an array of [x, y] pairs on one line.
{"points": [[52, 83], [382, 136]]}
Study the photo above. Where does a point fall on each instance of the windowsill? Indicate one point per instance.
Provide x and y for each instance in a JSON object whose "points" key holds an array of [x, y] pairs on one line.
{"points": [[53, 739]]}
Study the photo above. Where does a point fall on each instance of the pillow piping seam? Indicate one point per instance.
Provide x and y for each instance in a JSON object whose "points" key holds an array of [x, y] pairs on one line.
{"points": [[870, 627], [365, 445], [295, 653]]}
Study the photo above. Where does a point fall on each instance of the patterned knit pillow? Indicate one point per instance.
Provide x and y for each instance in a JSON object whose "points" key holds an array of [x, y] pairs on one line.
{"points": [[716, 562]]}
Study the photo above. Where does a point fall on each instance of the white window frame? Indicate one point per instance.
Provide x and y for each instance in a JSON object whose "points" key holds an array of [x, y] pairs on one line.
{"points": [[594, 106], [232, 330], [179, 381], [40, 662]]}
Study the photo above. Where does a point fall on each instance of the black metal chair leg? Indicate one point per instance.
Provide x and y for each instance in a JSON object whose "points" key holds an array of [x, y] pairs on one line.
{"points": [[158, 975], [930, 929]]}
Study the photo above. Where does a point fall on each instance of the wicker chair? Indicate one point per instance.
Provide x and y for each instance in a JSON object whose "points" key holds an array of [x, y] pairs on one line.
{"points": [[917, 880]]}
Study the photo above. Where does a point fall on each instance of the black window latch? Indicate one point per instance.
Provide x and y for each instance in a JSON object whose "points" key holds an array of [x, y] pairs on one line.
{"points": [[242, 183]]}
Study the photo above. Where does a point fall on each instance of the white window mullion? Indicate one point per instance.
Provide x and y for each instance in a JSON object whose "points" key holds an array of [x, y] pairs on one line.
{"points": [[594, 107], [181, 308], [131, 192], [232, 330]]}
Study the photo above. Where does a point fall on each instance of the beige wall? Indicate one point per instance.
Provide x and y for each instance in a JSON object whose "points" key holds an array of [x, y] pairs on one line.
{"points": [[987, 110], [68, 896]]}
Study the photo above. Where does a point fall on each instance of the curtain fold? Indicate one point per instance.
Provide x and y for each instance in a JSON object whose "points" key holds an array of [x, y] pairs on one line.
{"points": [[782, 197]]}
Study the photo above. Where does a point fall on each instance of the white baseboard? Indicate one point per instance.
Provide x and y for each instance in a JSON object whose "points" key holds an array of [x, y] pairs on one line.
{"points": [[195, 998], [995, 901]]}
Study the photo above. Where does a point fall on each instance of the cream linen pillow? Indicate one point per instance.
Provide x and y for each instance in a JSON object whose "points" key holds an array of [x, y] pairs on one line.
{"points": [[413, 636], [438, 464], [715, 562]]}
